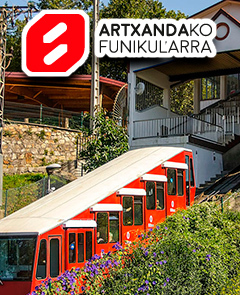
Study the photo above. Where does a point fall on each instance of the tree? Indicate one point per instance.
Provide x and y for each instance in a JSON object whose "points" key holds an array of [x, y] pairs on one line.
{"points": [[182, 99], [130, 9], [108, 142]]}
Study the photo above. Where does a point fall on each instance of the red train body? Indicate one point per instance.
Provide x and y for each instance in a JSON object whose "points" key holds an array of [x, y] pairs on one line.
{"points": [[64, 229]]}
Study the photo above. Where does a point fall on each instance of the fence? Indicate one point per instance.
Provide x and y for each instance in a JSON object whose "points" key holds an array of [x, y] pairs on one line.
{"points": [[177, 126], [39, 114], [16, 198]]}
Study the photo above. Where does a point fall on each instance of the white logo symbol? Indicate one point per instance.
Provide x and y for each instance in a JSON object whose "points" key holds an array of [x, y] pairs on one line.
{"points": [[128, 235], [61, 49], [172, 203], [150, 218]]}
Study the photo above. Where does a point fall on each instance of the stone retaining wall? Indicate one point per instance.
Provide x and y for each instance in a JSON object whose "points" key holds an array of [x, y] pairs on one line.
{"points": [[30, 148]]}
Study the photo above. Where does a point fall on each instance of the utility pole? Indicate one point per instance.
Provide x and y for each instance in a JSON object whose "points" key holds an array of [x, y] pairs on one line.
{"points": [[7, 15], [95, 99]]}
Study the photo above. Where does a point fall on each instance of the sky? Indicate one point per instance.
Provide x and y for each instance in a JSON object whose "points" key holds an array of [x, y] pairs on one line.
{"points": [[189, 7]]}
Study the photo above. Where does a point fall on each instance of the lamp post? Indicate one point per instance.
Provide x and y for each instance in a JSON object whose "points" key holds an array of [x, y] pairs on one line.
{"points": [[50, 168]]}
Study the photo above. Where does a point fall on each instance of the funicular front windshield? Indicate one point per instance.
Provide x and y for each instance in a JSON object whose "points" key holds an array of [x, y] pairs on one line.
{"points": [[16, 257]]}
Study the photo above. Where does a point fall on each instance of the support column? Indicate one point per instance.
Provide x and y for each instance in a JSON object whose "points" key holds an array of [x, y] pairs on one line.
{"points": [[94, 102], [167, 100], [223, 87], [196, 96]]}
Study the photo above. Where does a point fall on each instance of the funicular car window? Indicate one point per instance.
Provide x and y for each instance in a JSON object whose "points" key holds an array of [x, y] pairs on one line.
{"points": [[72, 247], [54, 258], [102, 228], [42, 261], [16, 259], [150, 195], [192, 182], [127, 211], [80, 247], [180, 182], [88, 245], [113, 227], [138, 211], [171, 181], [160, 196]]}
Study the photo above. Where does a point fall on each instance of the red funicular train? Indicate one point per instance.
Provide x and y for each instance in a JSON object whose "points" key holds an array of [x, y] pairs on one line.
{"points": [[65, 228]]}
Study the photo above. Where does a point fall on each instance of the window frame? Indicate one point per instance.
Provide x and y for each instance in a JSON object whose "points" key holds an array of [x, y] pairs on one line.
{"points": [[175, 187]]}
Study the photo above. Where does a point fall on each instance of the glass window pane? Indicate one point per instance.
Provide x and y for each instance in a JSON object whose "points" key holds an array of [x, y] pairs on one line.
{"points": [[102, 228], [54, 258], [42, 261], [180, 182], [160, 196], [88, 245], [150, 195], [80, 247], [191, 173], [138, 211], [171, 181], [127, 211], [113, 227], [16, 257], [72, 248]]}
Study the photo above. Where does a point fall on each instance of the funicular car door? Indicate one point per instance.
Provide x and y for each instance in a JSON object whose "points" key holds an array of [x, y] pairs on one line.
{"points": [[132, 201], [174, 173], [107, 232], [155, 204], [79, 238], [190, 180]]}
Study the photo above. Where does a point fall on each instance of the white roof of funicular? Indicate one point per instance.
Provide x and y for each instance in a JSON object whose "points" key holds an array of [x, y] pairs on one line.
{"points": [[77, 196]]}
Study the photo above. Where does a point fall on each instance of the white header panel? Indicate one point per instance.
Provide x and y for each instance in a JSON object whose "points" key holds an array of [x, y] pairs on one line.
{"points": [[106, 207], [154, 177], [176, 165], [79, 223], [131, 192]]}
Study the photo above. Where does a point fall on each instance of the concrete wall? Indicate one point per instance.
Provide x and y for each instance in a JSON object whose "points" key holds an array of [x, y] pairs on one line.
{"points": [[29, 148]]}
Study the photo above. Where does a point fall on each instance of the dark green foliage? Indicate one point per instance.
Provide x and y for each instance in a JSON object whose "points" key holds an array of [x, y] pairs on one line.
{"points": [[194, 252], [182, 99], [108, 142]]}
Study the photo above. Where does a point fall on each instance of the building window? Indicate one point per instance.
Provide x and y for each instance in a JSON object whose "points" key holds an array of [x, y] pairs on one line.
{"points": [[160, 195], [210, 88], [102, 228], [171, 181], [150, 195], [113, 227], [180, 182], [72, 247], [151, 96]]}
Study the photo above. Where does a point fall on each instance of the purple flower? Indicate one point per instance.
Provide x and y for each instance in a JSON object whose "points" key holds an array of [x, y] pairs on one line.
{"points": [[167, 279], [146, 253], [164, 261], [150, 265], [157, 227], [154, 283], [194, 250], [164, 284], [184, 217], [162, 252], [165, 227], [150, 229], [146, 282]]}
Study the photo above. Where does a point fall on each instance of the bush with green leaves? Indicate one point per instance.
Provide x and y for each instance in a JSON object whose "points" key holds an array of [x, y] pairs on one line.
{"points": [[108, 142], [193, 252]]}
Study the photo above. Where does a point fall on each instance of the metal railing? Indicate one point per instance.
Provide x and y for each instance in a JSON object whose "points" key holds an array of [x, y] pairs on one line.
{"points": [[177, 126], [39, 114]]}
